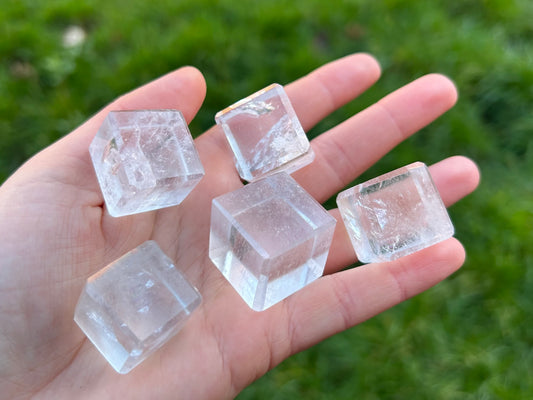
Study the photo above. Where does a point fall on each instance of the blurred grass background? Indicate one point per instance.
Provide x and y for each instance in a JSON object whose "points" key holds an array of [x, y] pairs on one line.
{"points": [[468, 338]]}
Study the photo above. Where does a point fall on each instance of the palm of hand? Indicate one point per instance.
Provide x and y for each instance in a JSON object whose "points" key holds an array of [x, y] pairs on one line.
{"points": [[55, 233]]}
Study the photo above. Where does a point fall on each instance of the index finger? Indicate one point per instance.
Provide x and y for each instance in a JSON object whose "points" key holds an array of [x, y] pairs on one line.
{"points": [[313, 97], [329, 87]]}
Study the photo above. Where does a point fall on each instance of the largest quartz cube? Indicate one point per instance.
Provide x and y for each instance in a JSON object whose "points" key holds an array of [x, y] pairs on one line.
{"points": [[144, 160], [134, 305], [265, 134], [395, 214], [269, 239]]}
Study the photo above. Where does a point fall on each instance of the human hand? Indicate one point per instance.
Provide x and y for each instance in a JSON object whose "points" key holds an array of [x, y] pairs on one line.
{"points": [[55, 232]]}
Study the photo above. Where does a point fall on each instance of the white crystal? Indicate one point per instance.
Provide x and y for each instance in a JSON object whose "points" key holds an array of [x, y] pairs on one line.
{"points": [[145, 160], [265, 134], [269, 239], [133, 306], [395, 214]]}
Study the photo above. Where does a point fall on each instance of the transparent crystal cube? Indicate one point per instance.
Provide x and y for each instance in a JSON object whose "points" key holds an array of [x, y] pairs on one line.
{"points": [[144, 160], [265, 134], [269, 239], [133, 306], [395, 214]]}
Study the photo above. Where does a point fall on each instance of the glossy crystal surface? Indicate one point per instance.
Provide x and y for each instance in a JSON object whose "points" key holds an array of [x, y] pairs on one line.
{"points": [[269, 239], [265, 134], [144, 160], [130, 308], [395, 214]]}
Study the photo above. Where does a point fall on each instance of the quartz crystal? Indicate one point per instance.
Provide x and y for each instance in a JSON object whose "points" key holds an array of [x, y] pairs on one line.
{"points": [[395, 214], [265, 134], [134, 305], [269, 239], [144, 160]]}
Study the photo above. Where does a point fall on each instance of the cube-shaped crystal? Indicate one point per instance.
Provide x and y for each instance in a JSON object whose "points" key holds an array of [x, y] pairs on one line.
{"points": [[144, 160], [265, 134], [269, 239], [130, 308], [395, 214]]}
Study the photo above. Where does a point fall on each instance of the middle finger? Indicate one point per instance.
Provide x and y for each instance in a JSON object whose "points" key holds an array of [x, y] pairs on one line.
{"points": [[347, 150]]}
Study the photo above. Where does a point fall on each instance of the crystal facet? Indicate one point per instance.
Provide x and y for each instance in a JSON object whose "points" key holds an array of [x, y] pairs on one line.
{"points": [[269, 239], [265, 134], [395, 214], [130, 308], [144, 160]]}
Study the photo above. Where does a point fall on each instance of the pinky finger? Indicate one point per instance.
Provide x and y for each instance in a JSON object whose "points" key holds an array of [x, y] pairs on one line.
{"points": [[339, 301]]}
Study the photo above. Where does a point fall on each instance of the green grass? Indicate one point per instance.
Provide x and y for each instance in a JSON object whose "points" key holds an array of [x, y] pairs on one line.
{"points": [[470, 337]]}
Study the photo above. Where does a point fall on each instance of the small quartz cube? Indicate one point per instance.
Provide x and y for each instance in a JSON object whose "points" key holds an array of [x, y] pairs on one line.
{"points": [[395, 214], [133, 306], [265, 134], [269, 239], [144, 160]]}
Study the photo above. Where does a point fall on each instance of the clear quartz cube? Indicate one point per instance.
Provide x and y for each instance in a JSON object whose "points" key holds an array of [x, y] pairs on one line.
{"points": [[265, 134], [144, 160], [269, 239], [395, 214], [133, 306]]}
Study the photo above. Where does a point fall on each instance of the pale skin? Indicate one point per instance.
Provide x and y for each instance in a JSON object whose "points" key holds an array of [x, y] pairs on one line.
{"points": [[55, 232]]}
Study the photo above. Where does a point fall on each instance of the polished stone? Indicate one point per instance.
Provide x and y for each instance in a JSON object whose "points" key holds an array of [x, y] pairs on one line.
{"points": [[130, 308], [144, 160], [269, 239], [265, 134], [395, 214]]}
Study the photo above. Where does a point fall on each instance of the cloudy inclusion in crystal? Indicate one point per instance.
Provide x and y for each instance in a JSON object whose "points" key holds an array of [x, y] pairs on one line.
{"points": [[144, 160], [265, 134], [395, 214], [269, 239], [134, 305]]}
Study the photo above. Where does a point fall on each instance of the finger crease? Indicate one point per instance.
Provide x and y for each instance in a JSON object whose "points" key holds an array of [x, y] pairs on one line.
{"points": [[402, 291], [334, 163], [292, 328], [382, 108], [344, 299], [328, 96]]}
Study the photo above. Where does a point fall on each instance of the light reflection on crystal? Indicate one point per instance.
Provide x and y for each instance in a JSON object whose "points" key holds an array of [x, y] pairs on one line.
{"points": [[395, 214], [269, 239], [134, 305], [144, 160], [265, 134]]}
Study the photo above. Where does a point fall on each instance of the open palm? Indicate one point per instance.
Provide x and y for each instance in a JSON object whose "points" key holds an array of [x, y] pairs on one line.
{"points": [[55, 232]]}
